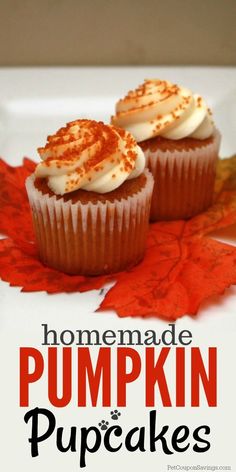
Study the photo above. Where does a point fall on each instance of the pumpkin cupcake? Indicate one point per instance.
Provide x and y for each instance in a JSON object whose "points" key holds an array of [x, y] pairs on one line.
{"points": [[174, 128], [90, 199]]}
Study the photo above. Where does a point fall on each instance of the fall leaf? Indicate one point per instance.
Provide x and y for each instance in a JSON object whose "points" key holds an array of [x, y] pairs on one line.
{"points": [[182, 267]]}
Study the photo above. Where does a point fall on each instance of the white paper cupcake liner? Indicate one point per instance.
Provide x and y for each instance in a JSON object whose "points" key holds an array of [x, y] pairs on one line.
{"points": [[183, 180], [91, 238]]}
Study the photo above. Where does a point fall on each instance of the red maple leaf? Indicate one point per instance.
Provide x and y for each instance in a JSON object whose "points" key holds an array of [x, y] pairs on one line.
{"points": [[182, 267]]}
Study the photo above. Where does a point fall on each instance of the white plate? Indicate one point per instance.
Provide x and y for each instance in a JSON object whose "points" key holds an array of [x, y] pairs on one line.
{"points": [[34, 103]]}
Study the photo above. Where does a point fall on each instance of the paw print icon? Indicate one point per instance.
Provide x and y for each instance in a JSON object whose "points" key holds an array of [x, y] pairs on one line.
{"points": [[103, 425], [115, 414]]}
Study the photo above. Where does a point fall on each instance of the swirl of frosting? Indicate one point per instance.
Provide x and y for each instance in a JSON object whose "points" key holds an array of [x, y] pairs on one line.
{"points": [[160, 108], [89, 155]]}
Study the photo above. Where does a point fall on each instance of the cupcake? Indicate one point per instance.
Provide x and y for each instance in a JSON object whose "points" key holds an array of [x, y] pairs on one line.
{"points": [[90, 199], [174, 128]]}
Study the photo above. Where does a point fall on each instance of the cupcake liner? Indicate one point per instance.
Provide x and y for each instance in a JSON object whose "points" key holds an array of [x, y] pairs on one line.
{"points": [[183, 180], [91, 238]]}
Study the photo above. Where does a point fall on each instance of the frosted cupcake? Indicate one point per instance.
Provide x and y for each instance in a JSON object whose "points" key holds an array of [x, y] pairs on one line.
{"points": [[174, 128], [90, 199]]}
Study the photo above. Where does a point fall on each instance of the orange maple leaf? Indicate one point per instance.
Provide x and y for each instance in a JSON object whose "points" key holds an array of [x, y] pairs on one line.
{"points": [[182, 267]]}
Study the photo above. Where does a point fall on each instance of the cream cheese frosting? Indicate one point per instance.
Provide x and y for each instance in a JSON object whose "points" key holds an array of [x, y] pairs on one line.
{"points": [[160, 108], [89, 155]]}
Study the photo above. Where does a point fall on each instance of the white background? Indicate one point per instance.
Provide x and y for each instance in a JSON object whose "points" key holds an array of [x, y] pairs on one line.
{"points": [[34, 103]]}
